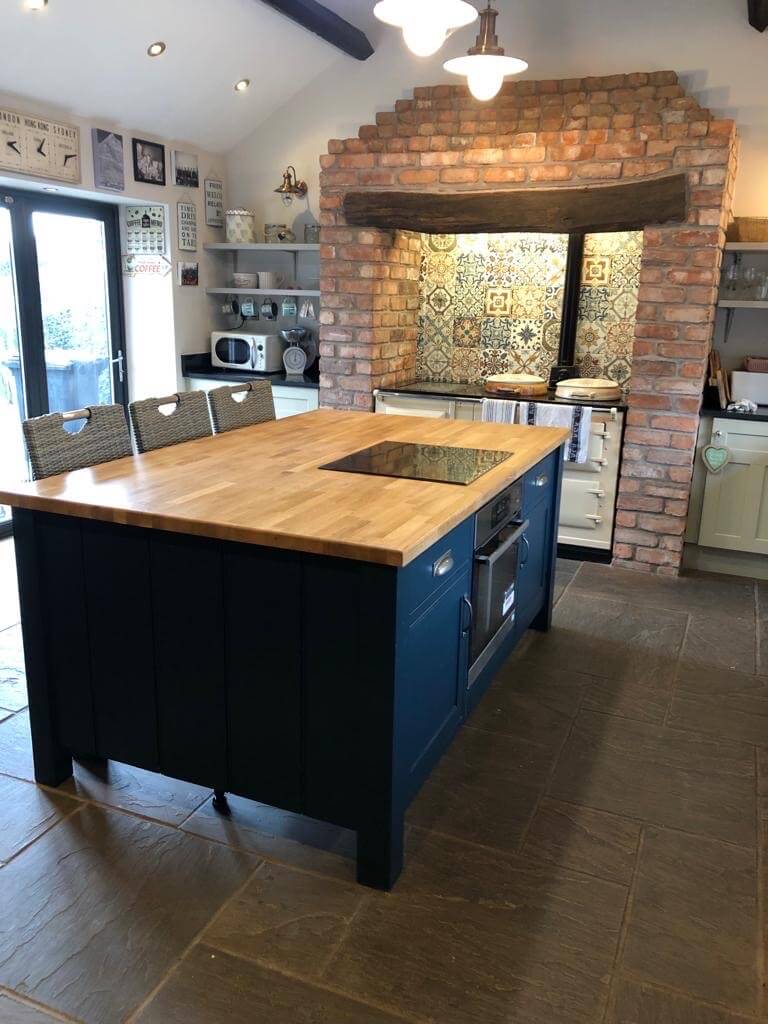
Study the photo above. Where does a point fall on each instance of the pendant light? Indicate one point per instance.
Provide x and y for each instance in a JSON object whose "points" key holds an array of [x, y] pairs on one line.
{"points": [[426, 24], [486, 65]]}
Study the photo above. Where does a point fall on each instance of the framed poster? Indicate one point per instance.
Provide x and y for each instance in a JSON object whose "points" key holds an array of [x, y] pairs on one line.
{"points": [[37, 146], [214, 203], [188, 274], [108, 169], [186, 220], [148, 162], [145, 230], [185, 173]]}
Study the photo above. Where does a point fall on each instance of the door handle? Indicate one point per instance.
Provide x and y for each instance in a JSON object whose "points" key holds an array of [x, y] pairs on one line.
{"points": [[120, 359], [468, 605], [541, 481], [527, 543], [490, 559], [443, 565]]}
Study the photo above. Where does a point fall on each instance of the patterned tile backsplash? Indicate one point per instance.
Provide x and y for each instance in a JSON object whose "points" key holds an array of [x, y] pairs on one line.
{"points": [[610, 278], [493, 304]]}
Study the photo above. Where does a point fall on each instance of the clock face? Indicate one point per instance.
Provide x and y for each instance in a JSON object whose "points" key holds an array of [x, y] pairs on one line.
{"points": [[34, 145], [294, 359]]}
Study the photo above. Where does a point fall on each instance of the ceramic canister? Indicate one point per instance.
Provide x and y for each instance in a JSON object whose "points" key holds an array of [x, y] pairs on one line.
{"points": [[241, 226]]}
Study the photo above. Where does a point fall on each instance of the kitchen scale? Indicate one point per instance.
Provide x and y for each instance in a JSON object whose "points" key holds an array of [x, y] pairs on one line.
{"points": [[436, 462]]}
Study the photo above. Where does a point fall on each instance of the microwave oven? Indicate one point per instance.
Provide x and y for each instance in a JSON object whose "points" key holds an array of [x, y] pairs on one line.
{"points": [[235, 350]]}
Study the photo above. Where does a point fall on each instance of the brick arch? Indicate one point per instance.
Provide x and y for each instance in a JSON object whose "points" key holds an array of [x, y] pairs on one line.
{"points": [[534, 133]]}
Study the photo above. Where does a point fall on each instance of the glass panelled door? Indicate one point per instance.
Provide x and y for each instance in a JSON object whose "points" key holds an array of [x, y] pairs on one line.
{"points": [[61, 324], [12, 406]]}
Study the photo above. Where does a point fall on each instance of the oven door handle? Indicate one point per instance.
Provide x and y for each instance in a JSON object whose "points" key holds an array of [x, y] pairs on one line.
{"points": [[489, 560]]}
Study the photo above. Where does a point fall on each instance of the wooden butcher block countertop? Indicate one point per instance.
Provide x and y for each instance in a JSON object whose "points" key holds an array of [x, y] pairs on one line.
{"points": [[262, 485]]}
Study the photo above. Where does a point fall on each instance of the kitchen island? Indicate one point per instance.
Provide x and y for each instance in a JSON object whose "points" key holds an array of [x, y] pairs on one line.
{"points": [[229, 613]]}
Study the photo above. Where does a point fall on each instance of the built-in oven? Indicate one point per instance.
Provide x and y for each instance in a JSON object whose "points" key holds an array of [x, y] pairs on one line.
{"points": [[499, 536]]}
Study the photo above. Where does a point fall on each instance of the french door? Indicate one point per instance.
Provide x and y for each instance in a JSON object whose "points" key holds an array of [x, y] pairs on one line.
{"points": [[61, 316]]}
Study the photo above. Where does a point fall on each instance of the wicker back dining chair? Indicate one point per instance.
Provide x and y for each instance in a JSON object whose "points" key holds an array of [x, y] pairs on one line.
{"points": [[52, 449], [229, 412], [154, 429]]}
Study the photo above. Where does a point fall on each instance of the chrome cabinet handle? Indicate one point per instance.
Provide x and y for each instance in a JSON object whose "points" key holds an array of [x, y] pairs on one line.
{"points": [[468, 605], [527, 548], [443, 565], [541, 481]]}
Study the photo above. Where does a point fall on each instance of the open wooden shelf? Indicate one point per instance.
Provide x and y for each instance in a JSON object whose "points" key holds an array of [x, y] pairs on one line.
{"points": [[746, 246], [300, 292], [743, 304], [261, 247]]}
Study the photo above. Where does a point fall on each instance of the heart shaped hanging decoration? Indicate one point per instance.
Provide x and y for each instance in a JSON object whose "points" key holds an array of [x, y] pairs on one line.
{"points": [[715, 458]]}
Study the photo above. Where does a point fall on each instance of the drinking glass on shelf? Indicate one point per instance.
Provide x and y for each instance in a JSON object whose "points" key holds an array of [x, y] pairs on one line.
{"points": [[751, 283], [733, 280]]}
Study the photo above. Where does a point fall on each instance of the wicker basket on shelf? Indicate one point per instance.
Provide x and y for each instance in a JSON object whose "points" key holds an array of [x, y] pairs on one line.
{"points": [[748, 229], [756, 364]]}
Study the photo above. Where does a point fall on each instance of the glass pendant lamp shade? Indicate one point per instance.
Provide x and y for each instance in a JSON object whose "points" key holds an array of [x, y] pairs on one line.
{"points": [[426, 24], [486, 65]]}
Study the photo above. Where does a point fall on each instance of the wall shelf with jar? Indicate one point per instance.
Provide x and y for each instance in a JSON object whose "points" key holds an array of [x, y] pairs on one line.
{"points": [[744, 280]]}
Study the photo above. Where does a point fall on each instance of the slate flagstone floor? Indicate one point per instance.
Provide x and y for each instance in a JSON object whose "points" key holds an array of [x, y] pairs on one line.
{"points": [[590, 851]]}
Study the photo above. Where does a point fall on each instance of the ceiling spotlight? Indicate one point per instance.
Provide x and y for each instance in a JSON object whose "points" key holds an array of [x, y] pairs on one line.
{"points": [[35, 5], [155, 49], [486, 65], [426, 24], [242, 85]]}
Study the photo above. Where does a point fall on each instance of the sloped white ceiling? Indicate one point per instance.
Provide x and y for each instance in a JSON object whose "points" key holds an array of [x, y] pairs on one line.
{"points": [[88, 57]]}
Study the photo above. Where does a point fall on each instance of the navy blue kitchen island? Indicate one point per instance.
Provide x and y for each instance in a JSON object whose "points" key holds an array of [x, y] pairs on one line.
{"points": [[228, 613]]}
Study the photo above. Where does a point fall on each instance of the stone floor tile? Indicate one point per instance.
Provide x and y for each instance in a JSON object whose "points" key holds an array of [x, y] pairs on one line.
{"points": [[14, 1011], [693, 919], [473, 935], [287, 919], [692, 592], [13, 679], [662, 776], [16, 747], [643, 1004], [26, 811], [279, 835], [582, 839], [730, 704], [100, 907], [486, 787], [714, 640], [531, 701], [133, 789], [212, 987]]}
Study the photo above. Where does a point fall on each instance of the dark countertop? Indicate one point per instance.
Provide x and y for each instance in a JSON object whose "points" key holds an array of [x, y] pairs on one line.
{"points": [[199, 366], [440, 388], [761, 415]]}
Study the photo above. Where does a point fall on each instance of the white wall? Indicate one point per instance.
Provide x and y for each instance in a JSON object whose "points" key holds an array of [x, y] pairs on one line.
{"points": [[163, 320], [720, 58]]}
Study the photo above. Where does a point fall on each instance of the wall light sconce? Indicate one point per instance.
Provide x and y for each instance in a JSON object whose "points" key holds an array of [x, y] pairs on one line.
{"points": [[291, 187]]}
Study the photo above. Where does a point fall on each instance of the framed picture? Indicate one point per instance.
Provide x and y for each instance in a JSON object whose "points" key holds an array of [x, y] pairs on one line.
{"points": [[185, 173], [188, 274], [148, 162], [34, 145], [214, 203], [144, 230], [108, 169], [186, 222]]}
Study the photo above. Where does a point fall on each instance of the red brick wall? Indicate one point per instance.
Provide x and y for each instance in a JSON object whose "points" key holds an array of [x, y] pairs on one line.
{"points": [[574, 130]]}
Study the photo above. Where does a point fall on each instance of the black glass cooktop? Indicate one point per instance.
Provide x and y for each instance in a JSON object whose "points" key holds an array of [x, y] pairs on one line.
{"points": [[436, 462]]}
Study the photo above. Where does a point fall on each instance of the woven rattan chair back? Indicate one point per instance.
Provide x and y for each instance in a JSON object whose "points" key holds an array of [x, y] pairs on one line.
{"points": [[154, 429], [52, 449], [229, 412]]}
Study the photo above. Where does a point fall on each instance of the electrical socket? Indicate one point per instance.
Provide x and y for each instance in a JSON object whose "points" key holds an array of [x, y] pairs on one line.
{"points": [[227, 309]]}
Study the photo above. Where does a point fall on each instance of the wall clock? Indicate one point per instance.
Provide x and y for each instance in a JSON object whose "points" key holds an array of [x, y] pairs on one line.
{"points": [[38, 146]]}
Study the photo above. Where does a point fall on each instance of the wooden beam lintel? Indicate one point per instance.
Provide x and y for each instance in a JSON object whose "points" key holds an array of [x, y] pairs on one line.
{"points": [[317, 18], [758, 14], [621, 206]]}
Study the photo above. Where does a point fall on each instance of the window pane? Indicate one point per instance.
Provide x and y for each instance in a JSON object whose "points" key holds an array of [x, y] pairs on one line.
{"points": [[12, 459]]}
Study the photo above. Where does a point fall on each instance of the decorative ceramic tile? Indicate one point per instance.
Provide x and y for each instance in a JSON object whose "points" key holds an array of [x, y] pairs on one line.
{"points": [[499, 271], [441, 269], [498, 302], [494, 360], [495, 332], [466, 332], [440, 243], [529, 301], [439, 299], [607, 308], [465, 365], [469, 300]]}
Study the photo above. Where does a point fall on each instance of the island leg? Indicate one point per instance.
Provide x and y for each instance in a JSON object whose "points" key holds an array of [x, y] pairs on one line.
{"points": [[53, 764], [380, 851]]}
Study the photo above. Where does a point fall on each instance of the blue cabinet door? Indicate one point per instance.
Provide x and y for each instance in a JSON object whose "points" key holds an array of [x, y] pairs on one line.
{"points": [[431, 678]]}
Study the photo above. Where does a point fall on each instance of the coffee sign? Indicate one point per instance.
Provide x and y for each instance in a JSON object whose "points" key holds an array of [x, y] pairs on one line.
{"points": [[187, 224]]}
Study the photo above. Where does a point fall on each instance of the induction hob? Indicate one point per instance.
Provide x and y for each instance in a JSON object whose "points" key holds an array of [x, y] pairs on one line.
{"points": [[436, 462]]}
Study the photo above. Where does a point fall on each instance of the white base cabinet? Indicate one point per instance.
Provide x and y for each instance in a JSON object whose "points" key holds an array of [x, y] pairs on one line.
{"points": [[289, 401], [734, 513], [588, 501]]}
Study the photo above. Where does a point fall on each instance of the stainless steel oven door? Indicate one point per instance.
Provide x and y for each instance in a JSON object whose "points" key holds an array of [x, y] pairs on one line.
{"points": [[494, 596]]}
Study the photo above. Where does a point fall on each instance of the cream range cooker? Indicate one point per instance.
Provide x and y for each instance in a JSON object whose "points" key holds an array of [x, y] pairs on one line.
{"points": [[588, 501]]}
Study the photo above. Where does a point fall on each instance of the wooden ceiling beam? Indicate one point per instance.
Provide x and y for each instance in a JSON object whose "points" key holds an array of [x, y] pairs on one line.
{"points": [[316, 18], [612, 207], [758, 14]]}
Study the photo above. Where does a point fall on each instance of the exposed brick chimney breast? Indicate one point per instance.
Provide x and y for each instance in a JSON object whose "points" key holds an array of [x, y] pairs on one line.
{"points": [[532, 133]]}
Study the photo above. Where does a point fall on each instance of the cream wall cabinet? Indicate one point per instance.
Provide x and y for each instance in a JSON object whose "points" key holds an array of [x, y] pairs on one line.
{"points": [[735, 510], [289, 401], [588, 501]]}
